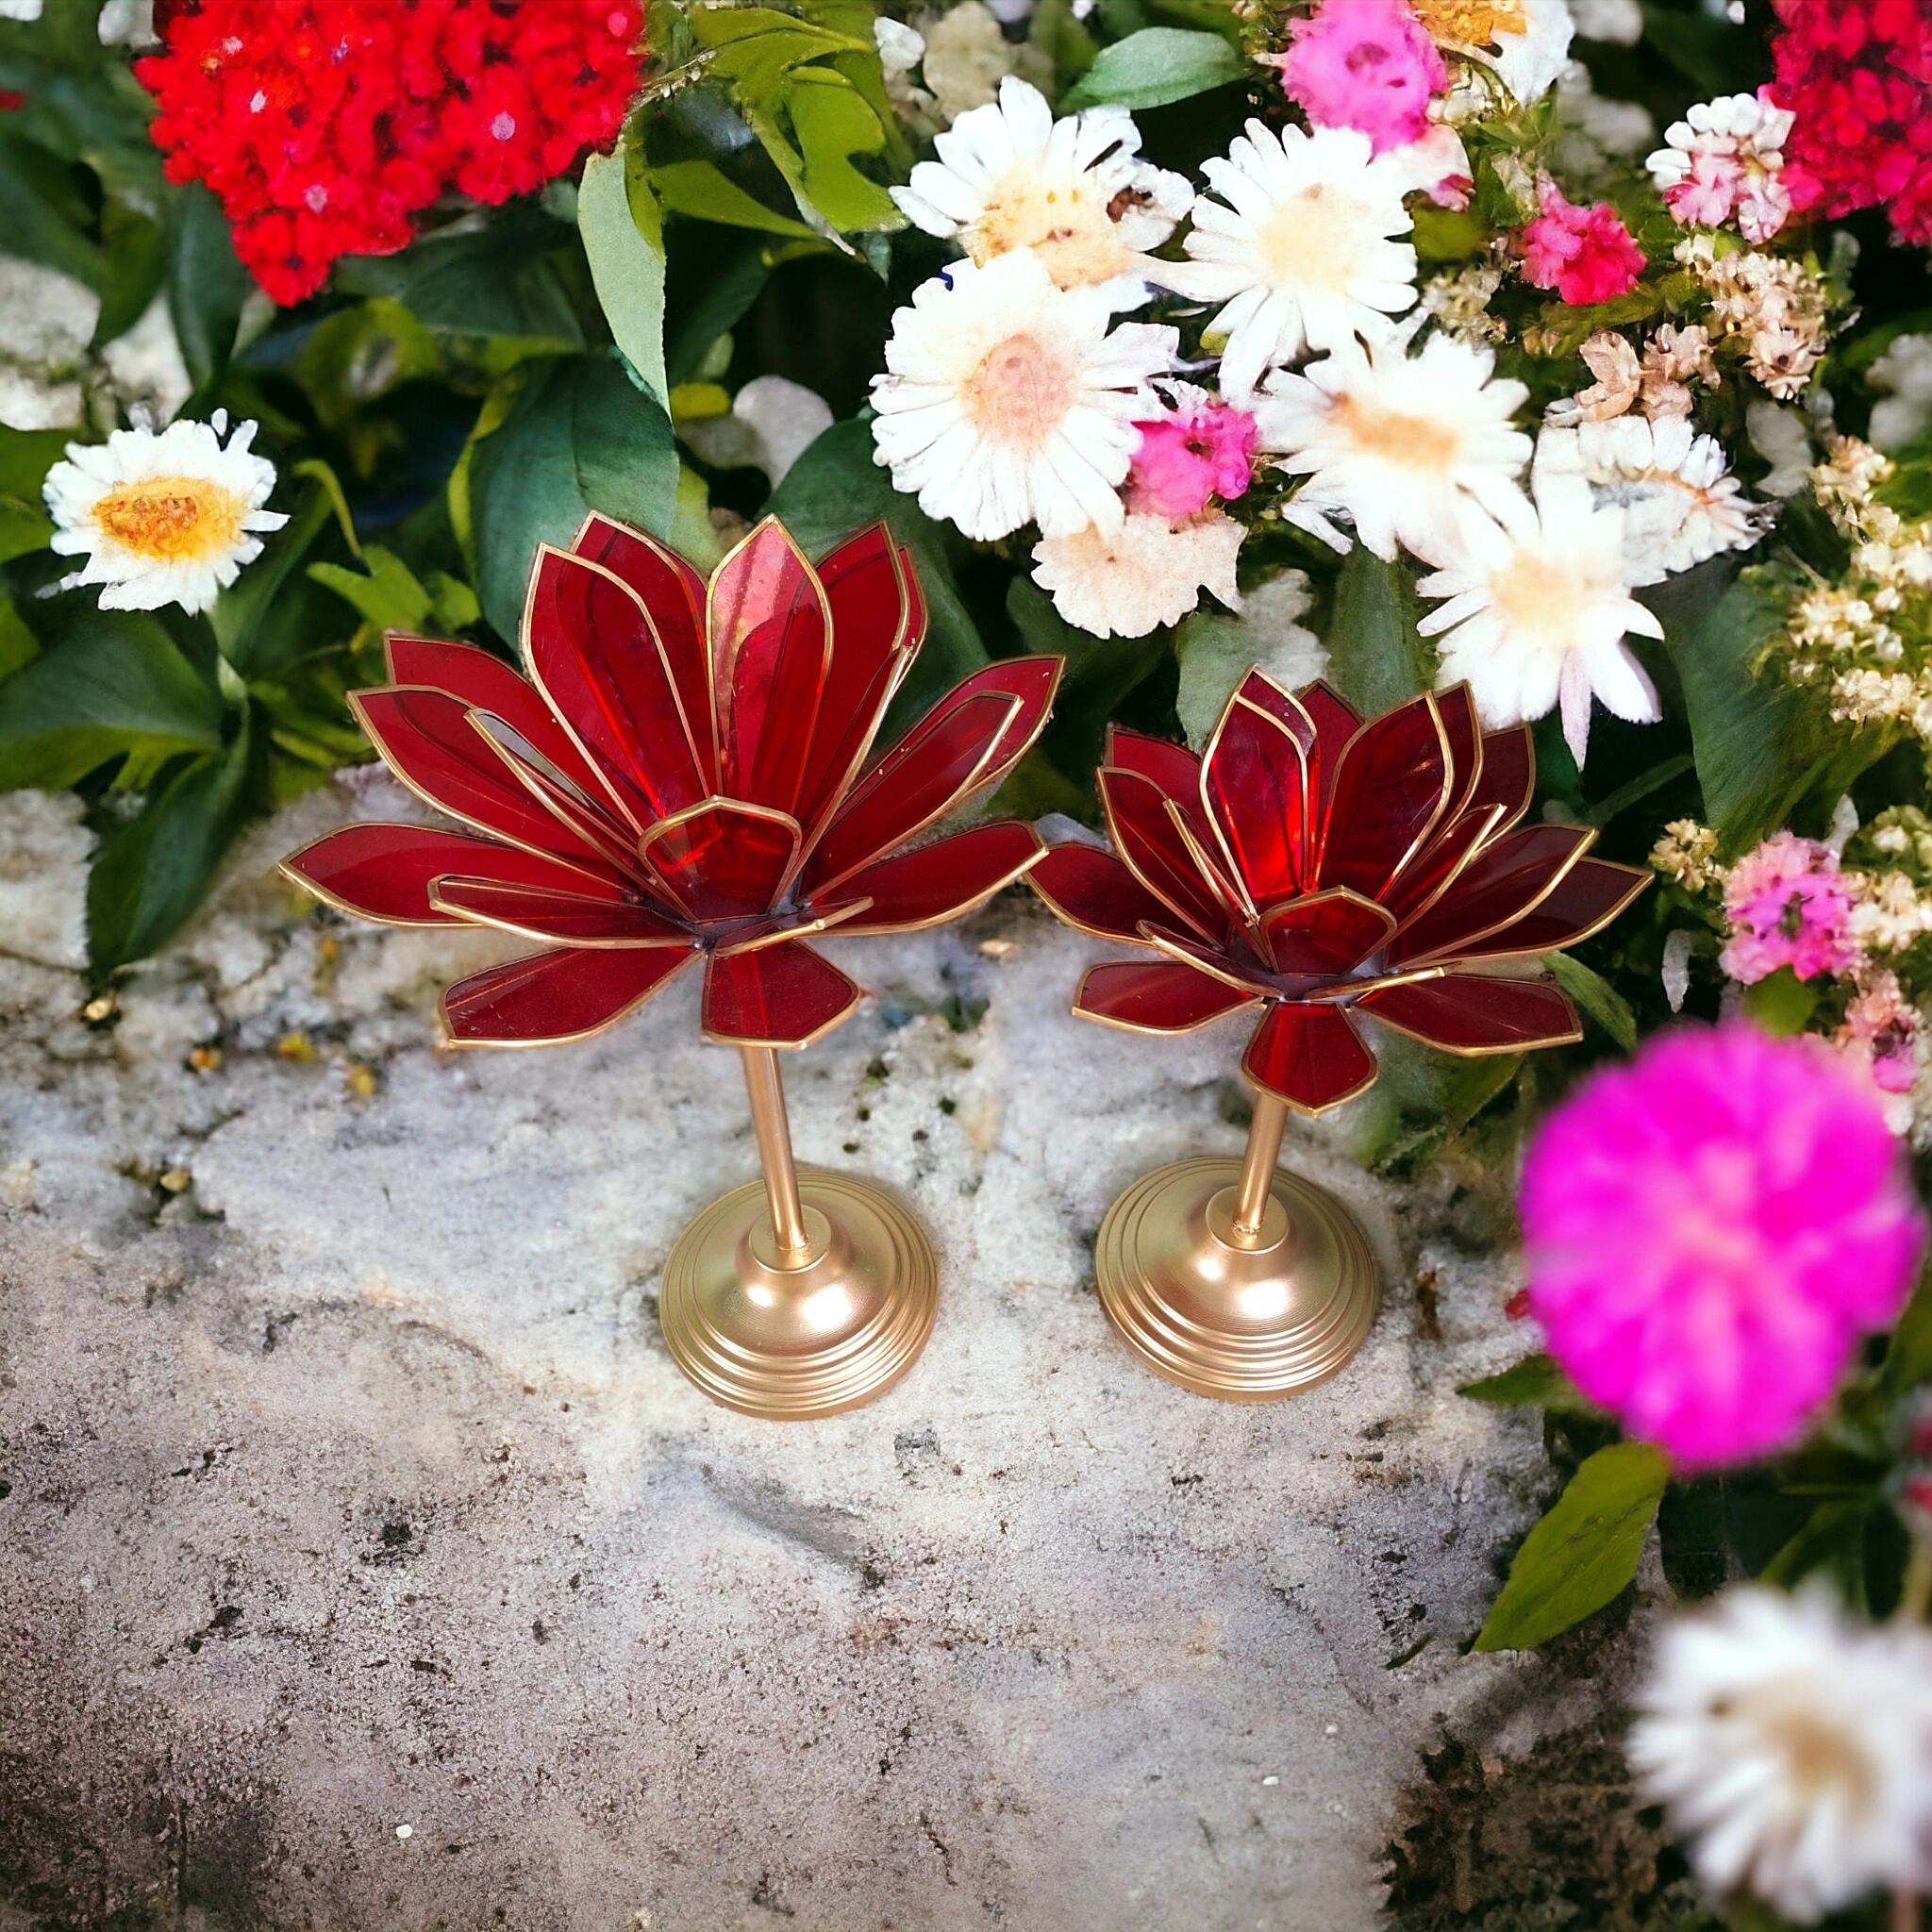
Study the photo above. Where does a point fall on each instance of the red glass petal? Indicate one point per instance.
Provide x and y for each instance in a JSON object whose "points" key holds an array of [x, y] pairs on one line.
{"points": [[1148, 996], [1336, 724], [594, 653], [1173, 767], [1464, 732], [1259, 689], [489, 684], [570, 918], [384, 872], [1498, 886], [783, 995], [429, 742], [722, 859], [968, 741], [936, 882], [1425, 878], [547, 998], [872, 609], [674, 595], [1508, 774], [1469, 1014], [1236, 965], [1585, 900], [771, 632], [1252, 788], [1094, 891], [1310, 1056], [1145, 835], [1390, 792], [1326, 936], [593, 823]]}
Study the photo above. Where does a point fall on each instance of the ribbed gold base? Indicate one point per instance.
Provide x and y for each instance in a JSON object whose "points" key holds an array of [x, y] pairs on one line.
{"points": [[1243, 1323], [790, 1343]]}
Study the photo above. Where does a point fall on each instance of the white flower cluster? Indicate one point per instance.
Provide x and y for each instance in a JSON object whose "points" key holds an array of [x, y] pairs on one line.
{"points": [[1015, 396]]}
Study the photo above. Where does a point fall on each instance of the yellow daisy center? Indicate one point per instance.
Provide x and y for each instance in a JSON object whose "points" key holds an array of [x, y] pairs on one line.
{"points": [[1063, 222], [1020, 393], [1310, 240], [1469, 23], [1414, 441], [173, 519]]}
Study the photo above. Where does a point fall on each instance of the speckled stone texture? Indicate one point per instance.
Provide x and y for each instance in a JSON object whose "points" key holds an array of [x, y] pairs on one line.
{"points": [[365, 1563]]}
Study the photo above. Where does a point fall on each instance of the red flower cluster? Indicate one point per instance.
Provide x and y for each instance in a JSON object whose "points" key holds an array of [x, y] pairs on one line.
{"points": [[325, 125], [1858, 73], [1585, 254]]}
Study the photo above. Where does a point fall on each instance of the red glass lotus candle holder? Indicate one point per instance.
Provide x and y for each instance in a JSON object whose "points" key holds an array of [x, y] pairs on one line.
{"points": [[686, 775], [1319, 870]]}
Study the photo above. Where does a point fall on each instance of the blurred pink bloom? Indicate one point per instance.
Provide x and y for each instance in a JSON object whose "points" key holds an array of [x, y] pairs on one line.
{"points": [[1879, 1037], [1585, 254], [1199, 451], [1710, 1230], [1789, 905], [1366, 64]]}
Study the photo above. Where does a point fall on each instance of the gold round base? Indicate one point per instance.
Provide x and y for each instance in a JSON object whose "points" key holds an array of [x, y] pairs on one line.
{"points": [[1244, 1324], [790, 1343]]}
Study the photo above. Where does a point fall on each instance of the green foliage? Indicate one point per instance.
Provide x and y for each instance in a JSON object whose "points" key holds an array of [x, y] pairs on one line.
{"points": [[1156, 66], [1583, 1552], [624, 239], [1596, 997], [1376, 656], [1537, 1380]]}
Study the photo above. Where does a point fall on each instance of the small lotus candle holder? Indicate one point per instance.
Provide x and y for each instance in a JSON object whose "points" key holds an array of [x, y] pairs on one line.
{"points": [[687, 774], [1319, 869]]}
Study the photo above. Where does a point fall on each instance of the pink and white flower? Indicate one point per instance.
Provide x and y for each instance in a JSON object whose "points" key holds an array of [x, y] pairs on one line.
{"points": [[1725, 158], [1789, 905]]}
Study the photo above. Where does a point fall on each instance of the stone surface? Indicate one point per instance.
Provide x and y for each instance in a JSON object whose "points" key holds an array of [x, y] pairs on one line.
{"points": [[364, 1561]]}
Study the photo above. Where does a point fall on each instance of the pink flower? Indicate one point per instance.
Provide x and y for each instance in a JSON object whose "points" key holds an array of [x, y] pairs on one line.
{"points": [[1789, 905], [1585, 254], [1366, 64], [1879, 1039], [1710, 1230], [1202, 450]]}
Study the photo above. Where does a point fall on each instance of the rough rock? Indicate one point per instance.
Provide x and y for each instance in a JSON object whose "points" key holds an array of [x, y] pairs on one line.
{"points": [[364, 1560]]}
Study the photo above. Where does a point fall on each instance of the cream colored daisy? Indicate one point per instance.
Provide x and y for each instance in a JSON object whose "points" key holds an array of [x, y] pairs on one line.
{"points": [[162, 519], [1408, 447], [1680, 504], [1006, 400], [1075, 191], [1149, 572], [1535, 615], [1300, 250]]}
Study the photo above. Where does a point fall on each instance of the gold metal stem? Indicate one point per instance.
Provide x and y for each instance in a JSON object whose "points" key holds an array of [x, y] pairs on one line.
{"points": [[1257, 1169], [774, 1133]]}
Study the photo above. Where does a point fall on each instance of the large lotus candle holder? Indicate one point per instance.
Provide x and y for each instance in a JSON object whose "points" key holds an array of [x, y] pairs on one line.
{"points": [[1319, 869], [686, 775]]}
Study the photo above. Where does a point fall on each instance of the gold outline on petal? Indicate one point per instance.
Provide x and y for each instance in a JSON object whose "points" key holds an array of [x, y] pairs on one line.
{"points": [[1638, 880], [1288, 1100], [1480, 1052], [672, 821], [1428, 699], [973, 905], [1081, 1012], [1392, 925], [323, 896], [844, 1013], [450, 1039], [1101, 785], [1454, 949], [552, 941], [1238, 703]]}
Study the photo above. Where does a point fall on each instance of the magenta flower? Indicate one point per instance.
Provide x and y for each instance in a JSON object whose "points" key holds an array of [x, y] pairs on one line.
{"points": [[1710, 1230], [1366, 64], [1585, 254], [1789, 905], [1199, 451]]}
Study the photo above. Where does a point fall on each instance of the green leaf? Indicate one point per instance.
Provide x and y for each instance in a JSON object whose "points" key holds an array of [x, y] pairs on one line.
{"points": [[1781, 1003], [834, 489], [387, 594], [1596, 997], [725, 275], [1908, 1358], [1583, 1552], [1539, 1381], [1377, 658], [1216, 651], [206, 284], [1761, 747], [43, 215], [24, 527], [497, 280], [136, 265], [116, 685], [18, 645], [833, 123], [26, 455], [623, 237], [149, 875], [1155, 66], [579, 437], [1100, 674], [700, 187], [239, 610]]}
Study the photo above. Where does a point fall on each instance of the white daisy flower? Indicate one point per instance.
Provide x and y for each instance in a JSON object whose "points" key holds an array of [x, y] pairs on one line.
{"points": [[1527, 43], [1905, 371], [1006, 401], [1680, 504], [1536, 611], [162, 519], [1407, 447], [1075, 191], [1303, 254], [1126, 582], [1793, 1747]]}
